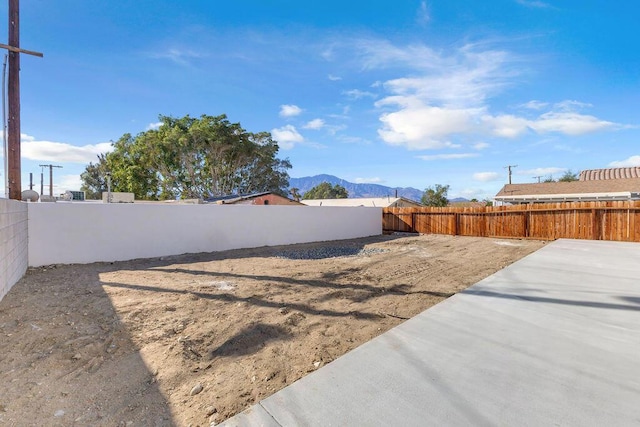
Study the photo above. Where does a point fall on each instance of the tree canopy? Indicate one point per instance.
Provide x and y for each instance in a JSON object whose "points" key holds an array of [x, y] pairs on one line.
{"points": [[568, 176], [436, 196], [190, 158], [326, 191]]}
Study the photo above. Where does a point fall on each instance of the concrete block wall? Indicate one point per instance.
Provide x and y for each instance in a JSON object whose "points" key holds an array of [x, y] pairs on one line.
{"points": [[68, 233], [13, 243]]}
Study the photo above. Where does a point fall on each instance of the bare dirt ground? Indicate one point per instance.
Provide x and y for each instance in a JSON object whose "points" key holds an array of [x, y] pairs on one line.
{"points": [[195, 339]]}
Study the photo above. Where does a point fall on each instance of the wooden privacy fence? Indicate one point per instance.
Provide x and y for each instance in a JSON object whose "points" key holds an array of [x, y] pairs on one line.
{"points": [[574, 220]]}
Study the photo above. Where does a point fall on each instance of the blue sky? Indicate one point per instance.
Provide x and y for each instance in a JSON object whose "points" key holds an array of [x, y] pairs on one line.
{"points": [[401, 93]]}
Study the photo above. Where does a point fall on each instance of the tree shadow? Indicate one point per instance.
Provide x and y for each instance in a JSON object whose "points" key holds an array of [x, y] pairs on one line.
{"points": [[548, 300], [227, 297], [250, 339]]}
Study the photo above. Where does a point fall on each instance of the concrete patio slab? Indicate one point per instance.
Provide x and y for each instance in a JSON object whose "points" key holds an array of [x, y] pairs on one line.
{"points": [[553, 339]]}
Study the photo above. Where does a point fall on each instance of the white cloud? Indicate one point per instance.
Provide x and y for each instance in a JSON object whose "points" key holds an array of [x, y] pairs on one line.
{"points": [[334, 78], [353, 140], [448, 156], [506, 126], [153, 126], [358, 94], [535, 105], [626, 163], [287, 136], [570, 123], [448, 95], [419, 127], [290, 110], [480, 146], [487, 176], [540, 171], [66, 183], [374, 180], [61, 152], [315, 124]]}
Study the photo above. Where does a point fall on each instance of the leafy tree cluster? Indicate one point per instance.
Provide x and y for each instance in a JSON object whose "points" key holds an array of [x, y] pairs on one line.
{"points": [[326, 191], [436, 196], [190, 158], [568, 176]]}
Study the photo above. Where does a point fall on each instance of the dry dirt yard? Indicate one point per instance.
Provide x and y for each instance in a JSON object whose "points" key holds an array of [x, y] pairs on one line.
{"points": [[191, 340]]}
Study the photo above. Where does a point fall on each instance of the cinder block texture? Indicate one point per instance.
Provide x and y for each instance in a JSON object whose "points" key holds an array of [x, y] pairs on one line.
{"points": [[13, 243]]}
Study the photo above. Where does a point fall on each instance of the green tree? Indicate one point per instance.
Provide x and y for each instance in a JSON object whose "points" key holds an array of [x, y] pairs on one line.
{"points": [[568, 176], [295, 193], [326, 191], [549, 178], [191, 158], [436, 196]]}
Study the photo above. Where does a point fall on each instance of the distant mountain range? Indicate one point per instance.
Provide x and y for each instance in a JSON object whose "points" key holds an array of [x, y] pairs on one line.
{"points": [[355, 190]]}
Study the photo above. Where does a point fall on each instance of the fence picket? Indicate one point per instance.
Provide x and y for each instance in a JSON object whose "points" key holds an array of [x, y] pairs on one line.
{"points": [[575, 220]]}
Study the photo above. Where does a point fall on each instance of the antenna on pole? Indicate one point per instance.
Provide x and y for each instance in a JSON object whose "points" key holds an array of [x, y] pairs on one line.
{"points": [[509, 168], [538, 177]]}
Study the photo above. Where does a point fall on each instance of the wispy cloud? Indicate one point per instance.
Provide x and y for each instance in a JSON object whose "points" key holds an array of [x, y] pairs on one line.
{"points": [[334, 78], [373, 180], [358, 94], [448, 156], [422, 16], [629, 162], [487, 176], [480, 146], [534, 4], [287, 137], [178, 56], [314, 124], [61, 152], [535, 105], [288, 110]]}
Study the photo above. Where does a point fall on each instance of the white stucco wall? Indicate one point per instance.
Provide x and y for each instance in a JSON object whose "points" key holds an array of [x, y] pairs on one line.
{"points": [[13, 243], [66, 233]]}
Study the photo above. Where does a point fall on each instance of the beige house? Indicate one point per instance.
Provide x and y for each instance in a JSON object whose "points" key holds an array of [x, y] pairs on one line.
{"points": [[593, 185], [380, 202]]}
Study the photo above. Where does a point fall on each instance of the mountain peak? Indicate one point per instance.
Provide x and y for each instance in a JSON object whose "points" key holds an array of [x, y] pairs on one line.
{"points": [[355, 190]]}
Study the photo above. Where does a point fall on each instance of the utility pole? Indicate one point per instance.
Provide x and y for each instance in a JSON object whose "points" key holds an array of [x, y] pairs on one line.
{"points": [[538, 177], [50, 177], [509, 168], [13, 132]]}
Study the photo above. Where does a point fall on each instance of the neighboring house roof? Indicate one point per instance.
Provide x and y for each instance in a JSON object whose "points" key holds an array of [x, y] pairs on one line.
{"points": [[235, 198], [599, 189], [611, 173], [380, 202]]}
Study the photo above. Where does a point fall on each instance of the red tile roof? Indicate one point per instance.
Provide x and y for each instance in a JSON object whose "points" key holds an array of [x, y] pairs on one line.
{"points": [[611, 173]]}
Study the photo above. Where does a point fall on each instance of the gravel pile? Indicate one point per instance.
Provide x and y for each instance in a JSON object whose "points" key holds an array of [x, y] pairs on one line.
{"points": [[329, 252]]}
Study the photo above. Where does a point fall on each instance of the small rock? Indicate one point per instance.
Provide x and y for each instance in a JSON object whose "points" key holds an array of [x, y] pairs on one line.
{"points": [[211, 410], [316, 364], [59, 413], [3, 408], [284, 310], [77, 356], [196, 389]]}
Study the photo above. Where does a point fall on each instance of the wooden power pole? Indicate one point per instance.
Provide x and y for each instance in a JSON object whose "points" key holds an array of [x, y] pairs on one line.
{"points": [[508, 167], [13, 128]]}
